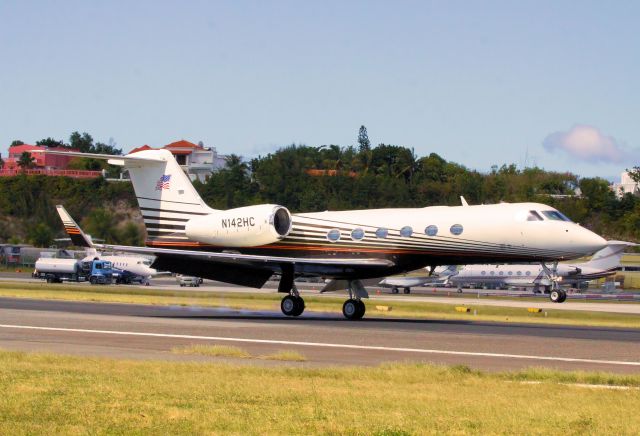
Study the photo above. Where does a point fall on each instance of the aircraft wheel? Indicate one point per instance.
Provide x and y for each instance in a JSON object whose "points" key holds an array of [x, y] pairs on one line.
{"points": [[459, 290], [353, 309], [299, 306], [563, 296], [555, 296], [290, 305], [394, 290], [407, 290], [362, 308]]}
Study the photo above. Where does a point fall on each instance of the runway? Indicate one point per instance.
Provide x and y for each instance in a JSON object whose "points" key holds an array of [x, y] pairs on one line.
{"points": [[150, 332]]}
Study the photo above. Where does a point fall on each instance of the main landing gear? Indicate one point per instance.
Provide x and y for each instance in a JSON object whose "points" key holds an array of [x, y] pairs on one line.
{"points": [[292, 304], [556, 295], [353, 309]]}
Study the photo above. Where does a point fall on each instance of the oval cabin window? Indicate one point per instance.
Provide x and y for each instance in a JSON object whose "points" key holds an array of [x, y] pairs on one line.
{"points": [[382, 233], [431, 230], [406, 231], [456, 229], [357, 234], [333, 235]]}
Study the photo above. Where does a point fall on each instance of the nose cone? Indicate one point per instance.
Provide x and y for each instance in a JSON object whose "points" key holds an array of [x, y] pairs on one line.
{"points": [[588, 242]]}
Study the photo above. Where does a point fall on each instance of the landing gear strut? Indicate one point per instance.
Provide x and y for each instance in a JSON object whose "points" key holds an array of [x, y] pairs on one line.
{"points": [[292, 304], [556, 295]]}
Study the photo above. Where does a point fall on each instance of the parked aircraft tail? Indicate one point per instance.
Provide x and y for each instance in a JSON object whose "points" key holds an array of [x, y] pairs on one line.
{"points": [[609, 257], [78, 237]]}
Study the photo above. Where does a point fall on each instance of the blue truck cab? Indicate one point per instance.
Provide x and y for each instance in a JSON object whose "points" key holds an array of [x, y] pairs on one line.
{"points": [[99, 271]]}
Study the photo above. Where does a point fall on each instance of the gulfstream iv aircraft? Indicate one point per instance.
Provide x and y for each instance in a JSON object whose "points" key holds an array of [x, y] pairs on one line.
{"points": [[249, 244]]}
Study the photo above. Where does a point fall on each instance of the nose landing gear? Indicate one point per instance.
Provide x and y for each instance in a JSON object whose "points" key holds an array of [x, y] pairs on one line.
{"points": [[557, 295]]}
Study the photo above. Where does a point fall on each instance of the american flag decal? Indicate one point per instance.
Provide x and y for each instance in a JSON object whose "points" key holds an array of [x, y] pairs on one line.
{"points": [[163, 183]]}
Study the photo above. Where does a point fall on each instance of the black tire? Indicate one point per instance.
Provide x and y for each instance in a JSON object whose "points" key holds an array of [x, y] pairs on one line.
{"points": [[289, 305], [92, 280], [563, 296], [363, 309], [49, 280], [299, 306], [407, 290], [395, 290], [555, 296], [353, 309]]}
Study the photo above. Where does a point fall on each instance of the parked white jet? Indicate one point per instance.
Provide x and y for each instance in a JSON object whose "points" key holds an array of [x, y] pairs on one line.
{"points": [[602, 264], [439, 276], [247, 245], [139, 267]]}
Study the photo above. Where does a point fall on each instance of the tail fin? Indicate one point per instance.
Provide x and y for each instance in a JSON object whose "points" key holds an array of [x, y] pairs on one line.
{"points": [[78, 237], [609, 256], [165, 194]]}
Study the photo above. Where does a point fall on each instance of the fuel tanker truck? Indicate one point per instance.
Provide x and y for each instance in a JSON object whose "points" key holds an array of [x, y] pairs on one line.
{"points": [[71, 270]]}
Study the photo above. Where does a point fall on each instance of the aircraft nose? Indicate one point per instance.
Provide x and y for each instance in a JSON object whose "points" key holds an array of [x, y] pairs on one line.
{"points": [[589, 241]]}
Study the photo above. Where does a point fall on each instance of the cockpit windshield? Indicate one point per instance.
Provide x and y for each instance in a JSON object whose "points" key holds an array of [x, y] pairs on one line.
{"points": [[555, 215], [534, 216]]}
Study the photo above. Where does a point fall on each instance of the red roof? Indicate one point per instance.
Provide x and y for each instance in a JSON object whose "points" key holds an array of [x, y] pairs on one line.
{"points": [[25, 147], [144, 147], [182, 144]]}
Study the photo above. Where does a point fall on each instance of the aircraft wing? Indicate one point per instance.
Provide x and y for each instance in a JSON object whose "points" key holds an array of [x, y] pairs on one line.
{"points": [[226, 257], [249, 269]]}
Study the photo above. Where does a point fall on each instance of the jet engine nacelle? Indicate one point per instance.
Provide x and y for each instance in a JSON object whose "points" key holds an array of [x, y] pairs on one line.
{"points": [[241, 227]]}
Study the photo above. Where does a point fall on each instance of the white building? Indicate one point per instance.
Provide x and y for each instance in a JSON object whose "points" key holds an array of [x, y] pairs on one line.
{"points": [[626, 186], [197, 161]]}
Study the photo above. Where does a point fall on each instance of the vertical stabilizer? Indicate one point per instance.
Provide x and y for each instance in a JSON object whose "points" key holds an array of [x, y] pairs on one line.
{"points": [[609, 257], [78, 237], [165, 194]]}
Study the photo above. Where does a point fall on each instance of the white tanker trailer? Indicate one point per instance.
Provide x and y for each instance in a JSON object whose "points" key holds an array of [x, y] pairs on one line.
{"points": [[59, 270]]}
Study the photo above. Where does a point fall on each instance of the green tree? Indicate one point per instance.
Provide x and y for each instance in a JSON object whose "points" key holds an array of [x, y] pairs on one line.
{"points": [[51, 143], [16, 142], [363, 140], [101, 223], [131, 235], [26, 161], [82, 142], [40, 235], [634, 173]]}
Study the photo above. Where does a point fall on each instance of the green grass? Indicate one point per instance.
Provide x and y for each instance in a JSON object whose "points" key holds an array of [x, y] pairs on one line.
{"points": [[49, 394], [212, 350], [285, 355], [271, 301]]}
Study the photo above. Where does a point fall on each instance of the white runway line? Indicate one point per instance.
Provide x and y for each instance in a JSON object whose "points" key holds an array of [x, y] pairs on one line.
{"points": [[324, 345]]}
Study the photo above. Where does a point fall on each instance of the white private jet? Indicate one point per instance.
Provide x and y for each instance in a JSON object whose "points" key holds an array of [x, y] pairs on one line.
{"points": [[438, 276], [247, 245], [138, 268], [604, 263]]}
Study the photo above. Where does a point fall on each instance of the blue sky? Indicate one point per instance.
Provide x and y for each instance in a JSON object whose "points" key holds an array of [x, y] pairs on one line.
{"points": [[478, 82]]}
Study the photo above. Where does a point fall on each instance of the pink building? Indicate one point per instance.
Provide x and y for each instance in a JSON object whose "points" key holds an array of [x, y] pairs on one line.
{"points": [[44, 163]]}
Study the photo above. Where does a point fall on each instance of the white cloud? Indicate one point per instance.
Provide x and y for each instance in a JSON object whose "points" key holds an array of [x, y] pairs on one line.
{"points": [[589, 144]]}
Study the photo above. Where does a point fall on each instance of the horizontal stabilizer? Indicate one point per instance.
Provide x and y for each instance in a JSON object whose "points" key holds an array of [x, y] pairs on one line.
{"points": [[112, 158]]}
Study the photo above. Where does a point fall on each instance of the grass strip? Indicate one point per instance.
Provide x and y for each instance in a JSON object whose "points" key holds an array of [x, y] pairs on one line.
{"points": [[212, 350], [285, 355], [271, 302], [51, 394]]}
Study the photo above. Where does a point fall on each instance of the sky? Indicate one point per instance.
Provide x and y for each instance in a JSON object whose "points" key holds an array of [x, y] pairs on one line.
{"points": [[549, 83]]}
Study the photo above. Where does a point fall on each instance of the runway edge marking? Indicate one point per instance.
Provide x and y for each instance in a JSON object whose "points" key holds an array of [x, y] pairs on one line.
{"points": [[324, 345]]}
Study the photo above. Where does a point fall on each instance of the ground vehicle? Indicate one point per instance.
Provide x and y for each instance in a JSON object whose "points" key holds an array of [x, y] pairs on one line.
{"points": [[188, 280], [59, 270]]}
